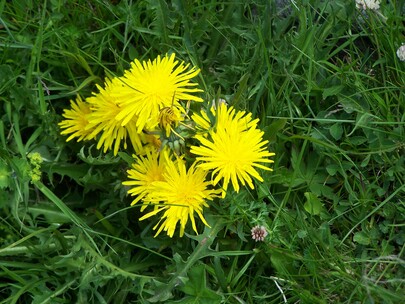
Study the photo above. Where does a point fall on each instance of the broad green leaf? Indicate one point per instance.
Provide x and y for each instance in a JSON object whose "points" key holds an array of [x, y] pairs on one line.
{"points": [[362, 120], [332, 169], [302, 233], [4, 176], [270, 132], [362, 238], [331, 91], [365, 161], [356, 140], [196, 287], [313, 205], [336, 131]]}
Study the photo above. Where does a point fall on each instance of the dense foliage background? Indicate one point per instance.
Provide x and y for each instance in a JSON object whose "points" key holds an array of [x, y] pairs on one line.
{"points": [[326, 83]]}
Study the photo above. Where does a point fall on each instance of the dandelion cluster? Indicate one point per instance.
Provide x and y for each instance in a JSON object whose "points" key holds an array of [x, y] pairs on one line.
{"points": [[182, 160]]}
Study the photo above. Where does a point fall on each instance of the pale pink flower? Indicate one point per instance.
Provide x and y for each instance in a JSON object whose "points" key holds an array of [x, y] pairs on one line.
{"points": [[259, 233]]}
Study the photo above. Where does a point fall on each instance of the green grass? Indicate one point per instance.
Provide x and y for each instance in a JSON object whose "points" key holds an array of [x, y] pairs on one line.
{"points": [[326, 83]]}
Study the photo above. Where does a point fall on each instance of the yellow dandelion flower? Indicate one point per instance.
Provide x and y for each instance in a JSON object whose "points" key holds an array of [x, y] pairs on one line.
{"points": [[146, 170], [104, 109], [233, 149], [76, 121], [222, 116], [151, 86], [202, 120], [183, 193]]}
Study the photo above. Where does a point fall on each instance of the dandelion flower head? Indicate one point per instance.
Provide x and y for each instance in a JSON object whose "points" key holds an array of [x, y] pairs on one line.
{"points": [[146, 170], [219, 116], [104, 109], [76, 120], [182, 193], [233, 149], [169, 118], [151, 86]]}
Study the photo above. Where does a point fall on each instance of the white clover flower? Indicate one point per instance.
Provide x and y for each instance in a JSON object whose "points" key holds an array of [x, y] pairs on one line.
{"points": [[401, 52], [368, 4], [259, 233]]}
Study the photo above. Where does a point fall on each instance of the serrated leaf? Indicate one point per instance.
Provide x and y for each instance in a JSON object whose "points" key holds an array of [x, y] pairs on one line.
{"points": [[197, 288], [202, 250], [197, 281], [51, 213], [75, 172], [100, 159], [162, 20]]}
